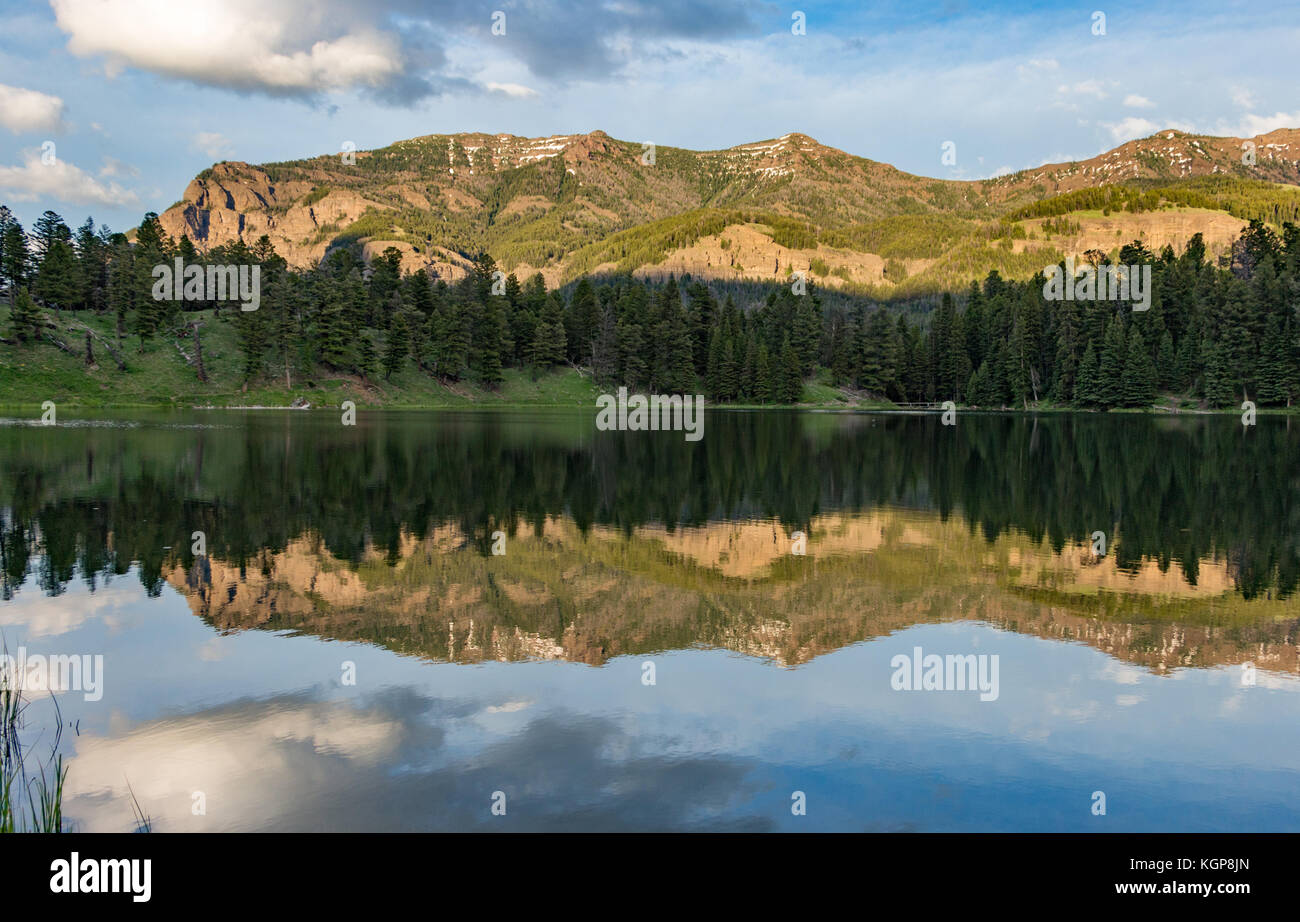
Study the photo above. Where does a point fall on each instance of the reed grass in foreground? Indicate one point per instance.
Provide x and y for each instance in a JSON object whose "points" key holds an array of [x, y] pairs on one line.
{"points": [[31, 796]]}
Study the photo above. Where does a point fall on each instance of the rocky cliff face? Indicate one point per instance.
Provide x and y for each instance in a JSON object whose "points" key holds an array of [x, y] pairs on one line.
{"points": [[237, 201]]}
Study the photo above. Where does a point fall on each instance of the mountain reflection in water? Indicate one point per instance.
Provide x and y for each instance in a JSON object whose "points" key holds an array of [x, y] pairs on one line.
{"points": [[623, 548]]}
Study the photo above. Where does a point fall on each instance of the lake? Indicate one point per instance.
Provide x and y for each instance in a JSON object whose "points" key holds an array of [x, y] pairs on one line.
{"points": [[510, 620]]}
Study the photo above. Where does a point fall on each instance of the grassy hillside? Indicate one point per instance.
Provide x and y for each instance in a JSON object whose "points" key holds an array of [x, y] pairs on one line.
{"points": [[160, 376]]}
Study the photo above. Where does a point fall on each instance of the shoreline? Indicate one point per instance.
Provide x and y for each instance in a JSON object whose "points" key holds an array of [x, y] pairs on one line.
{"points": [[802, 407]]}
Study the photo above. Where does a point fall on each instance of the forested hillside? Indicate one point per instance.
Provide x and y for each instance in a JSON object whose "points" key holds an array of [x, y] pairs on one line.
{"points": [[1216, 332]]}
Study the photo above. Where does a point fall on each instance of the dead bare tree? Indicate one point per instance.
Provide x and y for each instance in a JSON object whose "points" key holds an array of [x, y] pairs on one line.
{"points": [[198, 354]]}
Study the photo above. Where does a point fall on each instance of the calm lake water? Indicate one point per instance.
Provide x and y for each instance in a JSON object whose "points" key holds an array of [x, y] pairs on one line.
{"points": [[399, 625]]}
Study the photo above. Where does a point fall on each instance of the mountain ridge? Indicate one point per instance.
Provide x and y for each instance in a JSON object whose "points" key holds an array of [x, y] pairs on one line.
{"points": [[557, 204]]}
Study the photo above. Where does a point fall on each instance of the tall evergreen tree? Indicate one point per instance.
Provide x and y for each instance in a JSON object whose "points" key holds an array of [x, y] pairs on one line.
{"points": [[14, 257], [25, 318], [1087, 386], [397, 346], [581, 322], [366, 357], [1110, 365], [763, 392], [789, 375], [1139, 388], [488, 343]]}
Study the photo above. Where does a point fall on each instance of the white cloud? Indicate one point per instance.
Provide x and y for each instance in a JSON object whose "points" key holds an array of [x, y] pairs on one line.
{"points": [[276, 46], [1133, 127], [1037, 66], [1130, 128], [509, 707], [114, 167], [1063, 158], [49, 616], [1121, 673], [1083, 88], [516, 90], [1134, 101], [212, 143], [1252, 124], [218, 753], [62, 181], [24, 111], [1243, 97]]}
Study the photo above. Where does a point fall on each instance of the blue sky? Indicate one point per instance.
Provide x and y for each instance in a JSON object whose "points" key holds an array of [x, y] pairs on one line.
{"points": [[137, 96]]}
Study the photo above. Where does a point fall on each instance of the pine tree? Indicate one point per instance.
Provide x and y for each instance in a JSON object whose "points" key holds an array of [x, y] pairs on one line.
{"points": [[789, 378], [1139, 388], [911, 375], [150, 236], [1166, 363], [548, 345], [1066, 365], [419, 291], [6, 221], [13, 257], [1217, 383], [25, 318], [385, 278], [876, 372], [678, 375], [91, 250], [763, 392], [48, 230], [549, 329], [634, 370], [121, 283], [751, 383], [1238, 335], [287, 341], [947, 342], [713, 370], [729, 373], [250, 334], [604, 352], [366, 357], [333, 338], [396, 347], [843, 351], [703, 316], [1087, 387], [1110, 365], [806, 335], [1187, 366], [528, 313], [977, 388], [1275, 364], [487, 345], [973, 327], [451, 335], [1018, 365], [417, 328], [581, 322], [56, 277]]}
